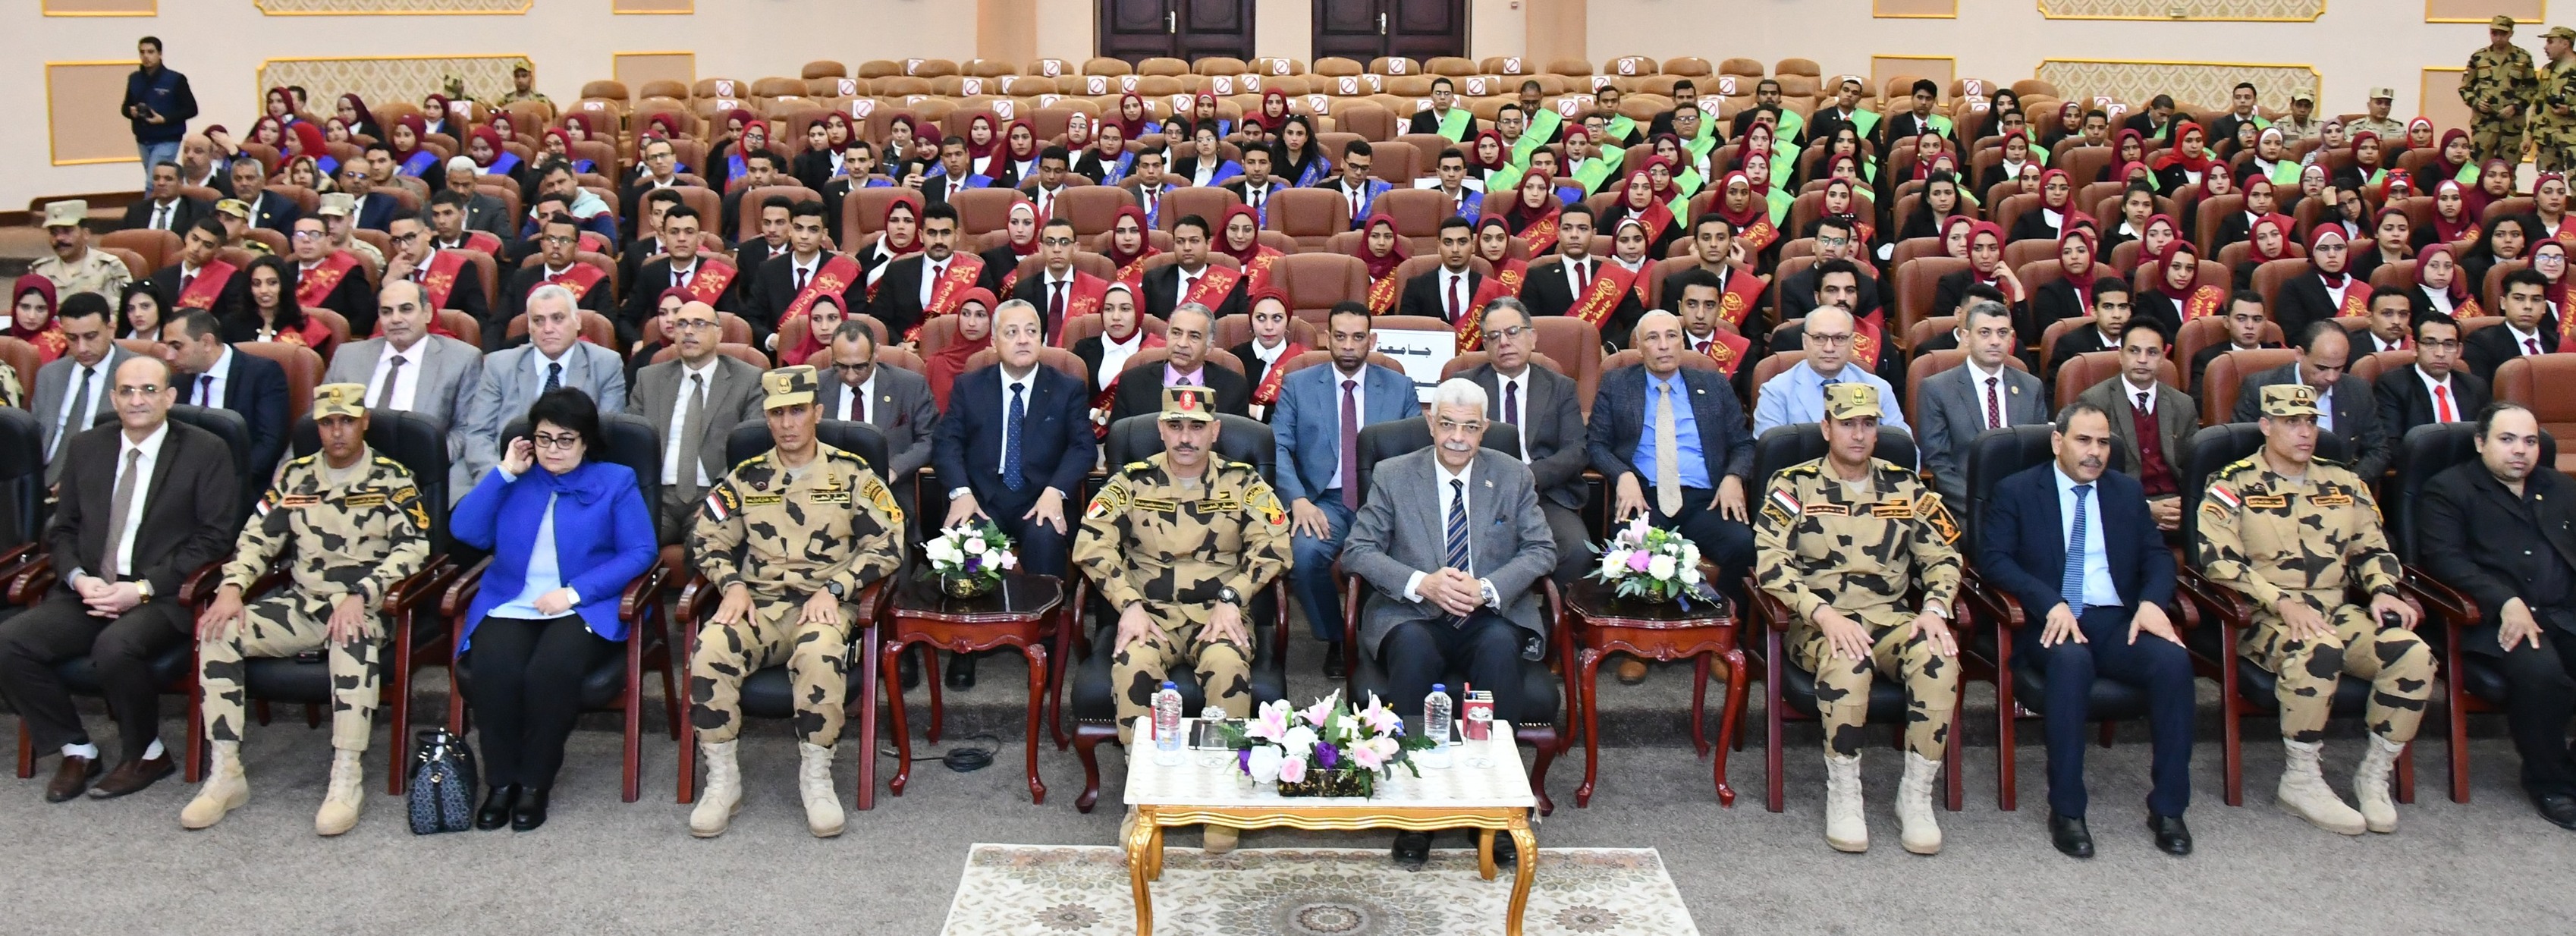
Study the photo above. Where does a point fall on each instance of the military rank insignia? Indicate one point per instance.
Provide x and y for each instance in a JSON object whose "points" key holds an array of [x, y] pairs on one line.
{"points": [[1929, 508], [1111, 500]]}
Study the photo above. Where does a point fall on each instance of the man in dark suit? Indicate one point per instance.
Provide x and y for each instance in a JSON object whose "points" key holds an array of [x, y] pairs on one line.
{"points": [[267, 209], [2150, 420], [558, 262], [447, 280], [682, 265], [2245, 321], [347, 294], [1545, 407], [1983, 393], [661, 171], [214, 375], [2112, 309], [752, 253], [2345, 403], [2435, 389], [1905, 125], [1797, 292], [1256, 186], [2491, 530], [2527, 327], [163, 208], [2156, 123], [1694, 484], [1712, 249], [896, 401], [956, 176], [1014, 445], [2092, 574], [1193, 278], [1445, 292], [648, 236], [1444, 98], [1557, 286], [146, 502], [910, 282], [1185, 339], [373, 209], [761, 169]]}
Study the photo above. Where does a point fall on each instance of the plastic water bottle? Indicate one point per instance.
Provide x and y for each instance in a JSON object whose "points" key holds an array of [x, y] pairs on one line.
{"points": [[1167, 725], [1435, 725]]}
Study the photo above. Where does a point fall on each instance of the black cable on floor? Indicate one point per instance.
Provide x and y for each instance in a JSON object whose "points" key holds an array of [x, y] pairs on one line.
{"points": [[960, 759]]}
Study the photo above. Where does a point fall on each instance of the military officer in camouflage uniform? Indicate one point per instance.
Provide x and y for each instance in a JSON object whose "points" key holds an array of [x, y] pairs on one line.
{"points": [[1841, 540], [792, 537], [75, 266], [349, 524], [2553, 121], [2391, 131], [2294, 533], [2498, 88]]}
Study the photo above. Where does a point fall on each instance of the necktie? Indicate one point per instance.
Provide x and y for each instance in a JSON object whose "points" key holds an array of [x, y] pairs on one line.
{"points": [[1012, 476], [1702, 347], [1055, 308], [1046, 204], [1457, 297], [2146, 405], [1350, 443], [2071, 586], [118, 506], [205, 390], [1186, 281], [161, 217], [1668, 474], [1458, 526], [1512, 402], [186, 278], [1355, 202], [2442, 405], [693, 435], [78, 418], [2531, 346], [1583, 273], [801, 273], [859, 403], [1994, 405], [393, 375], [554, 377]]}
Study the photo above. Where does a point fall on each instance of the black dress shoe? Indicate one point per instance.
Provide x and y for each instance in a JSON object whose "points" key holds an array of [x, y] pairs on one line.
{"points": [[2172, 837], [961, 671], [907, 669], [531, 811], [1412, 850], [497, 807], [2069, 835], [1333, 668], [2558, 808]]}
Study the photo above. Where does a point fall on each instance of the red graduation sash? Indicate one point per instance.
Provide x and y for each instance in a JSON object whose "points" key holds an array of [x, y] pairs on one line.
{"points": [[1010, 279], [963, 272], [1213, 286], [1742, 291], [836, 273], [2206, 300], [1758, 236], [1083, 299], [2566, 233], [483, 241], [579, 278], [2466, 308], [1268, 393], [1728, 349], [1257, 273], [1603, 298], [1381, 294], [711, 280], [2356, 300], [312, 286], [1107, 399], [440, 280], [1133, 274], [1540, 235], [208, 287], [1865, 343], [1507, 282]]}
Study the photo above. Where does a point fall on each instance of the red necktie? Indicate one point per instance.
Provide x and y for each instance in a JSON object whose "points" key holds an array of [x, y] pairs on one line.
{"points": [[2531, 345], [1703, 346], [1350, 444], [1994, 407], [2442, 405], [1457, 298], [1583, 273], [1055, 309]]}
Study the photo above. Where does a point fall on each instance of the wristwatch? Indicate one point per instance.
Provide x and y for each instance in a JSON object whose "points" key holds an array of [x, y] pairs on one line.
{"points": [[834, 588], [1230, 596]]}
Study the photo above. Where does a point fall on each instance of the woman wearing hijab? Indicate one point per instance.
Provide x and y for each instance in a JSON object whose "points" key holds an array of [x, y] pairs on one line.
{"points": [[2451, 162], [2047, 220], [1134, 119], [666, 311], [1532, 216], [490, 158], [2493, 184], [1203, 110], [1750, 215], [2130, 147], [1300, 158], [1638, 201], [434, 115], [822, 318], [1985, 268], [2271, 160], [2549, 209], [1129, 245], [2168, 296], [1382, 250], [1019, 242], [754, 139], [2016, 154], [353, 111], [2070, 295], [2419, 135], [305, 139], [1939, 203], [2439, 287], [1274, 109], [974, 333], [1628, 241], [1494, 244], [2329, 138], [31, 318], [2260, 200], [2267, 240], [1954, 236], [2327, 289], [2186, 162], [1239, 236], [2453, 224], [1019, 161], [1842, 199], [2162, 232], [2506, 238], [1487, 157], [2367, 169], [902, 238], [2070, 123], [2391, 241], [410, 158]]}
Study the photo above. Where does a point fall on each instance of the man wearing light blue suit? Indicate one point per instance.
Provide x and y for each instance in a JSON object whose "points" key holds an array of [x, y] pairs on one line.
{"points": [[513, 378], [1317, 427], [1797, 395]]}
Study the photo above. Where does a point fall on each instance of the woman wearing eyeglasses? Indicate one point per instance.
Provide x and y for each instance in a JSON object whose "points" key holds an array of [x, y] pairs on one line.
{"points": [[567, 533]]}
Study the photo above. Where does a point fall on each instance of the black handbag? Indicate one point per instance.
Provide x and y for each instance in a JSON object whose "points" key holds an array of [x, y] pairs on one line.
{"points": [[442, 783]]}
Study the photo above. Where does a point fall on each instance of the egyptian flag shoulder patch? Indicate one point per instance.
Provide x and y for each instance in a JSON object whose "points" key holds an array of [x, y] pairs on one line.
{"points": [[1787, 502], [2225, 499], [722, 502]]}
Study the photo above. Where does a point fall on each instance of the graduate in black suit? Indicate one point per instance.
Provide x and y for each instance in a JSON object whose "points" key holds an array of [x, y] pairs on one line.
{"points": [[2406, 395], [1444, 96], [1448, 291], [1549, 288], [2528, 328], [1186, 339], [898, 301], [783, 275], [1192, 239]]}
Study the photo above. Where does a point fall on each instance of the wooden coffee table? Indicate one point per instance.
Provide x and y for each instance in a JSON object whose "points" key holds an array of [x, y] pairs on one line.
{"points": [[1603, 623], [1206, 788], [1020, 612]]}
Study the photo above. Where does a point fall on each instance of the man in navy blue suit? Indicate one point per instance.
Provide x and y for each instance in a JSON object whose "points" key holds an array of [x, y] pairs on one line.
{"points": [[1681, 459], [1317, 430], [214, 375], [2079, 549], [1015, 443]]}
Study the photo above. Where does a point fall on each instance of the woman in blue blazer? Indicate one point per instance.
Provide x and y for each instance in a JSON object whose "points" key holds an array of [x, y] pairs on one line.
{"points": [[567, 534]]}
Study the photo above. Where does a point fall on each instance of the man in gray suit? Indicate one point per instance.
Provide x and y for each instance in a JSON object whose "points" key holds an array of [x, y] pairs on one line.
{"points": [[72, 390], [694, 401], [412, 371], [2151, 421], [1451, 540], [894, 400], [482, 212], [2346, 405], [513, 378], [1542, 404], [1984, 392]]}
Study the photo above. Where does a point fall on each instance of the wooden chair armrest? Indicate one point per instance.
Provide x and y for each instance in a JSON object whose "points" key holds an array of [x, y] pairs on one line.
{"points": [[32, 581], [199, 587], [15, 558], [1993, 604], [875, 603], [697, 601], [410, 593], [2442, 600], [1772, 611], [642, 594], [462, 589]]}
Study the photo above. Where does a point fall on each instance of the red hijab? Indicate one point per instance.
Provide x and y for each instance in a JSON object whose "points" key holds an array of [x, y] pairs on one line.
{"points": [[814, 343], [2173, 155], [2459, 288], [1381, 266], [1224, 244], [2146, 253], [2063, 206], [911, 201], [491, 138], [2278, 222], [2084, 283], [2323, 233], [1977, 229], [976, 152], [2447, 230], [946, 363], [2155, 271], [1016, 155], [419, 131], [1502, 153], [1144, 242], [308, 139], [1037, 227], [1756, 208], [1131, 127]]}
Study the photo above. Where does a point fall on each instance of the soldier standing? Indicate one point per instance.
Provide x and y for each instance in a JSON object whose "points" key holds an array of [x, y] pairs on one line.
{"points": [[2553, 126], [792, 536], [2293, 532], [1176, 542], [1841, 540], [2498, 88], [355, 527]]}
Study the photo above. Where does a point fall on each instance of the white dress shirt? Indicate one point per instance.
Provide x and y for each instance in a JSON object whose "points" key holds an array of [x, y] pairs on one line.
{"points": [[2448, 392], [2142, 399], [866, 390], [2325, 399], [68, 423], [406, 380], [1516, 390], [1575, 284], [681, 413], [931, 271], [537, 364], [123, 561], [1333, 416], [2524, 341], [2098, 589], [1440, 473], [1979, 380], [207, 389], [1454, 285]]}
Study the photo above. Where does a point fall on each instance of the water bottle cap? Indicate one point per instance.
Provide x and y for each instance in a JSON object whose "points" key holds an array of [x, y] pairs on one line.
{"points": [[1167, 684], [1439, 687]]}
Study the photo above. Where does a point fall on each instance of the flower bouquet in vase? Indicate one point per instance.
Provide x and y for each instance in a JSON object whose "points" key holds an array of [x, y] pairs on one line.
{"points": [[1649, 564], [968, 559], [1325, 749]]}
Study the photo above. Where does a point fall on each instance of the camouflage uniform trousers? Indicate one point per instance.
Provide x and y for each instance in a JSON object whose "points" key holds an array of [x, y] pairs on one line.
{"points": [[817, 658], [2496, 138], [2555, 144], [2398, 663], [1224, 667], [1842, 685], [284, 624]]}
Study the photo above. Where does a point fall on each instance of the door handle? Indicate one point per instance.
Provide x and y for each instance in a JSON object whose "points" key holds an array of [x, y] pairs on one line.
{"points": [[1171, 22], [1381, 24]]}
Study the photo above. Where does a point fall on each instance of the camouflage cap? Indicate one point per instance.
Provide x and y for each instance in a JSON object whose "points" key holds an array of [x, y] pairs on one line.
{"points": [[234, 207], [2559, 32], [70, 212], [1195, 404], [340, 399], [2383, 94], [788, 386], [2500, 24], [2289, 399], [1851, 400], [339, 204]]}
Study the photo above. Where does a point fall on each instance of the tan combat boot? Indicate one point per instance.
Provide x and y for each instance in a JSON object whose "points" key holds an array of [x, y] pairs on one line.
{"points": [[1845, 829], [2370, 784], [1217, 839], [225, 789], [1921, 834], [347, 793], [823, 815], [722, 796], [2303, 792]]}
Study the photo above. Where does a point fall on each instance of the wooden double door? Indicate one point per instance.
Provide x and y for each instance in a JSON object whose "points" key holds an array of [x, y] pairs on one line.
{"points": [[1367, 29], [1136, 30]]}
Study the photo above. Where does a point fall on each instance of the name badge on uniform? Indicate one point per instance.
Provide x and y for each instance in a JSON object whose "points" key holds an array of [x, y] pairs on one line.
{"points": [[1828, 510], [2267, 501], [372, 499], [1157, 504], [833, 496], [1217, 505], [295, 501], [1896, 509], [2331, 500], [764, 500]]}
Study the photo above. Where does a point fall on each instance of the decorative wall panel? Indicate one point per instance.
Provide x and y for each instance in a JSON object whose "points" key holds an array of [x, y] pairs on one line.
{"points": [[2202, 84], [81, 121], [102, 7], [2531, 13], [2203, 10], [390, 7], [391, 78]]}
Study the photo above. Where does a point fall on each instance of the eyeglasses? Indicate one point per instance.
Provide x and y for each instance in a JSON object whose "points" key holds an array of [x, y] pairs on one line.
{"points": [[1056, 241], [1493, 335], [310, 235], [1828, 338], [139, 390], [556, 240], [1822, 241], [560, 443], [2438, 345], [693, 325], [411, 238]]}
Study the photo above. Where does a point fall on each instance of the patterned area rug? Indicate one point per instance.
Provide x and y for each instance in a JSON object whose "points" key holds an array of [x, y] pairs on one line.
{"points": [[1081, 890]]}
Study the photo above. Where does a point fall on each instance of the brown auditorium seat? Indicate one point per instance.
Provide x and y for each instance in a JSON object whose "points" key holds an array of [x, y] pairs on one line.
{"points": [[748, 226], [2540, 382], [610, 90], [1419, 86], [1771, 366], [2092, 367], [1569, 67], [665, 88], [2368, 367], [2519, 204], [303, 370], [822, 68], [157, 248], [2212, 211], [1929, 363], [1451, 65], [1417, 212], [1576, 344], [982, 211], [486, 269], [2209, 330], [2397, 275], [1916, 335], [1915, 284], [1315, 281], [1065, 362], [929, 67], [1506, 65], [2048, 362], [137, 269], [1092, 208], [1370, 121], [2226, 378], [1107, 66], [22, 358], [1688, 66], [1398, 162], [2010, 209], [2022, 253], [1278, 67], [2269, 277], [1163, 65], [1309, 216], [1394, 65], [1474, 359], [1205, 202]]}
